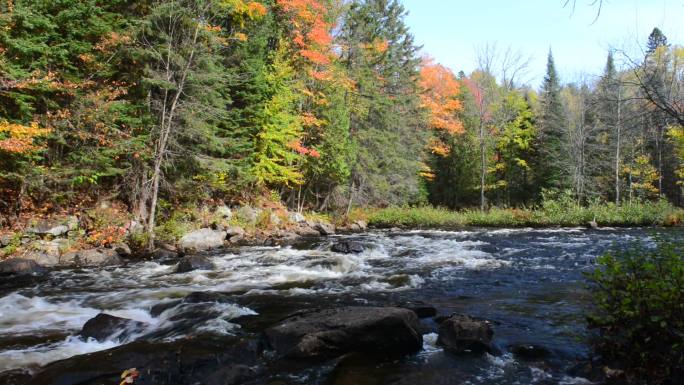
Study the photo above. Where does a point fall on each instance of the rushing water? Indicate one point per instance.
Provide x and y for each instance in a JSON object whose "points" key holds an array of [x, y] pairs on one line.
{"points": [[529, 283]]}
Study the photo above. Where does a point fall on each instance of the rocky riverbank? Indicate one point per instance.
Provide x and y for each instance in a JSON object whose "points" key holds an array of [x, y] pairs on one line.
{"points": [[75, 241]]}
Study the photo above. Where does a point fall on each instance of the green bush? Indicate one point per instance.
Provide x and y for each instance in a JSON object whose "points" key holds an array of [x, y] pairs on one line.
{"points": [[638, 316]]}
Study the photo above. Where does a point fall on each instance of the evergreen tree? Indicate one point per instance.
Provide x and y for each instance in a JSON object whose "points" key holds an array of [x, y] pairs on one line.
{"points": [[656, 40], [552, 157], [387, 120]]}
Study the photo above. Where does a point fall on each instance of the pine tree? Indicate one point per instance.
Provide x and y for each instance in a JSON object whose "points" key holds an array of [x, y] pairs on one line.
{"points": [[552, 159], [656, 40], [386, 119]]}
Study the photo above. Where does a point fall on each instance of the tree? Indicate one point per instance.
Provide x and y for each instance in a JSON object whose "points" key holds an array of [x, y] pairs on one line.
{"points": [[552, 159], [181, 46], [386, 119]]}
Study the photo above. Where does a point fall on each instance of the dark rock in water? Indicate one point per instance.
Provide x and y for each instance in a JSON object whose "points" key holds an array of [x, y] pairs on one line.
{"points": [[159, 308], [347, 247], [324, 334], [194, 262], [15, 377], [206, 296], [164, 254], [462, 334], [19, 266], [207, 361], [529, 352], [421, 309], [104, 326]]}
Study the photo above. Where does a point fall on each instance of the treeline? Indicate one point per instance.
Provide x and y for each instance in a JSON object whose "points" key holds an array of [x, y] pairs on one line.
{"points": [[320, 104], [614, 137]]}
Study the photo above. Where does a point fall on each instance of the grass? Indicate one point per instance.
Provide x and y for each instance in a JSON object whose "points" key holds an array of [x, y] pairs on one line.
{"points": [[549, 214]]}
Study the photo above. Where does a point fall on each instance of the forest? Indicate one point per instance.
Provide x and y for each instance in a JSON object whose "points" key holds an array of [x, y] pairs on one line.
{"points": [[322, 105], [294, 192]]}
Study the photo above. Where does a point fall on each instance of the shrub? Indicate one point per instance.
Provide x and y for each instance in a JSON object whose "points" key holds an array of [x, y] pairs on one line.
{"points": [[638, 317]]}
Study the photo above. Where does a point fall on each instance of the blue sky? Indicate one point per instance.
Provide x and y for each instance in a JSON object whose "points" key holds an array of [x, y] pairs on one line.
{"points": [[451, 30]]}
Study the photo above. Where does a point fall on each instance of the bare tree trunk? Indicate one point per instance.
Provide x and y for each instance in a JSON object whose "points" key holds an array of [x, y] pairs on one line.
{"points": [[166, 126], [617, 150], [483, 165]]}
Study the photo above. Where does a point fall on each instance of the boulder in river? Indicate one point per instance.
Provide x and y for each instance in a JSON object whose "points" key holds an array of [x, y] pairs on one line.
{"points": [[181, 362], [104, 326], [194, 262], [20, 266], [91, 257], [529, 352], [202, 240], [324, 334], [462, 334], [348, 247]]}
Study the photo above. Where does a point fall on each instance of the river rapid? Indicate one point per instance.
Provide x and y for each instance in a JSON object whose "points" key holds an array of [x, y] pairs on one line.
{"points": [[529, 283]]}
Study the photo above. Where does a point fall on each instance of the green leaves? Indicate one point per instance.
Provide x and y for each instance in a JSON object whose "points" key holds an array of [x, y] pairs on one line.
{"points": [[639, 316]]}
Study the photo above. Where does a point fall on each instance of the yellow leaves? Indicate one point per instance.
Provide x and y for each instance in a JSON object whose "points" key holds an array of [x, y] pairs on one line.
{"points": [[129, 376], [438, 147], [19, 138], [251, 10], [427, 172], [240, 36]]}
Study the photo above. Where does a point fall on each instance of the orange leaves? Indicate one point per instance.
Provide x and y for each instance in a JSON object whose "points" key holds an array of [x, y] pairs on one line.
{"points": [[19, 138], [302, 150], [112, 41], [440, 97], [310, 29], [256, 10], [316, 57]]}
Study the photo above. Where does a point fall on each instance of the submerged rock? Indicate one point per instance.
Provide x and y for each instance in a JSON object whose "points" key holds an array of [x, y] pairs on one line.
{"points": [[91, 257], [202, 240], [194, 262], [529, 352], [104, 326], [325, 334], [348, 247], [462, 334], [15, 377], [207, 361]]}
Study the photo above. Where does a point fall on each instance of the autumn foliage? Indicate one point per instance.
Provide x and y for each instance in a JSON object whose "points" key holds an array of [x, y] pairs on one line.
{"points": [[19, 139], [440, 98]]}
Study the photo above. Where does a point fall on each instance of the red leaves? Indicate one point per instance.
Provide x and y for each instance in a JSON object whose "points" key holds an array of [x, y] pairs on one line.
{"points": [[301, 150]]}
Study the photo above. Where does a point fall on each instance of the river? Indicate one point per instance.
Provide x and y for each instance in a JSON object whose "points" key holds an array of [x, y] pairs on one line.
{"points": [[529, 283]]}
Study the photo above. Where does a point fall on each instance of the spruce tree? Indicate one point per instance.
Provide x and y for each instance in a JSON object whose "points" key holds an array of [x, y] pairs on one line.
{"points": [[552, 158], [386, 118], [655, 40]]}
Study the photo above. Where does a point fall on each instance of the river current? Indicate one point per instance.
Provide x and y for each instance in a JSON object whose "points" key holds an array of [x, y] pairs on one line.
{"points": [[529, 283]]}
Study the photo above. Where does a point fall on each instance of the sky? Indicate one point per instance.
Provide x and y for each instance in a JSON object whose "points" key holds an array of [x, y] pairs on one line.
{"points": [[451, 31]]}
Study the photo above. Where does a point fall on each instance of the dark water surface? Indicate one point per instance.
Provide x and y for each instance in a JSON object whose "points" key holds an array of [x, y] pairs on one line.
{"points": [[529, 283]]}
